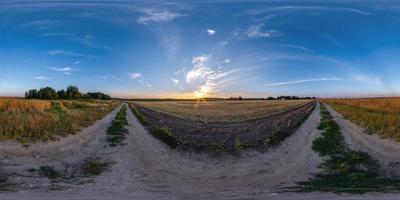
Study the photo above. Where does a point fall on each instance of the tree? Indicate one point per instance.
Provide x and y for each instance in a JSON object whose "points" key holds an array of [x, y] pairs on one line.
{"points": [[47, 93], [61, 94], [31, 94], [72, 93]]}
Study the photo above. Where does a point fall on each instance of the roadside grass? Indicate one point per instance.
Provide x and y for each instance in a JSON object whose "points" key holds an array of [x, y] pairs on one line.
{"points": [[162, 133], [116, 133], [165, 134], [381, 115], [343, 169], [94, 167], [29, 121]]}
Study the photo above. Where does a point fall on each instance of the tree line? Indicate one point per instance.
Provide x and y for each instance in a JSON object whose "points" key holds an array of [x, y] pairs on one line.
{"points": [[72, 92], [271, 98]]}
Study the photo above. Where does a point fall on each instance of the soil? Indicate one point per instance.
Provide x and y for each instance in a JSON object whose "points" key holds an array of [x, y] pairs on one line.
{"points": [[146, 168], [222, 136]]}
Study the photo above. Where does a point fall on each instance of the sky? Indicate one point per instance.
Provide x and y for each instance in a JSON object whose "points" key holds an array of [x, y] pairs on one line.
{"points": [[194, 49]]}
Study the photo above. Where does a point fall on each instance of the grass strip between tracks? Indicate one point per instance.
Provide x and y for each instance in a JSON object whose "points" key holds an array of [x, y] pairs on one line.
{"points": [[344, 170]]}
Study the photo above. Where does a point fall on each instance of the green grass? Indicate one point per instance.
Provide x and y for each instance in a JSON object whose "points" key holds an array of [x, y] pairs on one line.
{"points": [[162, 133], [343, 169], [116, 133], [165, 134], [142, 119]]}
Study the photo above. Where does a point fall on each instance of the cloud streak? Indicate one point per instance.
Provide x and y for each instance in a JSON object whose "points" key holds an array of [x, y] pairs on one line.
{"points": [[156, 16], [302, 81]]}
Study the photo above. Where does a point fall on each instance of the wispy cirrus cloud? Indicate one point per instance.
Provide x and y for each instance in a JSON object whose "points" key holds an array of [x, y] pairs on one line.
{"points": [[70, 53], [43, 78], [42, 24], [303, 81], [135, 75], [156, 16], [207, 78], [255, 31], [175, 81], [65, 70], [299, 8], [375, 80]]}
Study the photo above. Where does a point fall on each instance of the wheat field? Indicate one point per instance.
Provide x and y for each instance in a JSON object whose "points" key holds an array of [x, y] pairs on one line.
{"points": [[376, 115], [37, 120]]}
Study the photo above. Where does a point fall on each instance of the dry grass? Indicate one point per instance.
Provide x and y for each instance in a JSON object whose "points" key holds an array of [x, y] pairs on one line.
{"points": [[227, 111], [35, 120], [380, 115]]}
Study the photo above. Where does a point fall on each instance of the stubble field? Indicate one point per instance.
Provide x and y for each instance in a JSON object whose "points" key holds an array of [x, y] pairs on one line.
{"points": [[221, 111]]}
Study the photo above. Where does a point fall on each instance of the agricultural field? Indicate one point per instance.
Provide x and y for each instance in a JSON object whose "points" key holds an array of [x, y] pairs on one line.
{"points": [[38, 120], [375, 115], [221, 111]]}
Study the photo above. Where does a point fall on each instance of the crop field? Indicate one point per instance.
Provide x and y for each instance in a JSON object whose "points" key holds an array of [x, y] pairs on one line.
{"points": [[35, 120], [378, 115], [221, 111]]}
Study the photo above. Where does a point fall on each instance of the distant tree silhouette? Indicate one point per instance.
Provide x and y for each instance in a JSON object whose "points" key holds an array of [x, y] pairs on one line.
{"points": [[73, 93], [47, 93]]}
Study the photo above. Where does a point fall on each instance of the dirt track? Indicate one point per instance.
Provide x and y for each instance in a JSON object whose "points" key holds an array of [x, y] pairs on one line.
{"points": [[147, 169], [386, 151]]}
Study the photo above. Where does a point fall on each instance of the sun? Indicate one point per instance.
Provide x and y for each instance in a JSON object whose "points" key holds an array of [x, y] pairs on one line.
{"points": [[199, 95]]}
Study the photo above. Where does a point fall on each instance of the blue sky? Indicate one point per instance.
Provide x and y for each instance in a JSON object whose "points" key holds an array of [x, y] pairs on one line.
{"points": [[202, 48]]}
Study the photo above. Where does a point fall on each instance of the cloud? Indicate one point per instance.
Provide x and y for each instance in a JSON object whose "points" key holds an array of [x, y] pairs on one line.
{"points": [[303, 81], [367, 79], [156, 16], [211, 32], [176, 81], [42, 78], [297, 47], [55, 34], [227, 60], [42, 24], [69, 53], [61, 69], [144, 83], [254, 31], [199, 70], [296, 8], [135, 76], [65, 70], [206, 78], [331, 39], [76, 62]]}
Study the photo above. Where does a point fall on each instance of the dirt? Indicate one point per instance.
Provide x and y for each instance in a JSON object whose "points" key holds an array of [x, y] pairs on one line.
{"points": [[386, 151], [212, 136], [145, 168]]}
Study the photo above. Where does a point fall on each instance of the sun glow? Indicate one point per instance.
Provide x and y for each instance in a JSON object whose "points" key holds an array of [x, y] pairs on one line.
{"points": [[203, 91]]}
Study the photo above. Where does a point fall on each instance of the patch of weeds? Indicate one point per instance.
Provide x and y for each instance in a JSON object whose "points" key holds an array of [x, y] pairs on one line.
{"points": [[47, 171], [344, 170], [238, 146], [142, 119], [56, 108], [93, 167], [4, 183], [165, 134], [116, 133]]}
